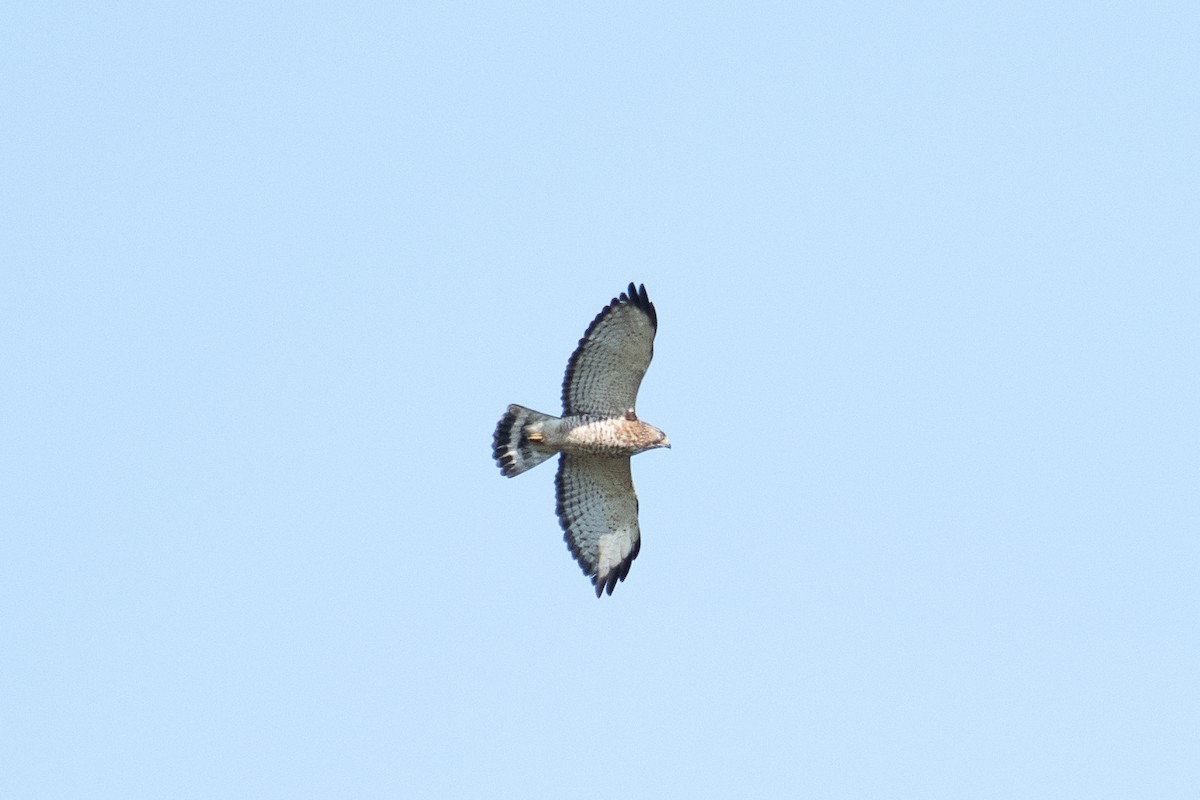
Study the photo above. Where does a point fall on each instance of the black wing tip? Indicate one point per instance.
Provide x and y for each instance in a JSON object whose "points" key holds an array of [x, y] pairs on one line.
{"points": [[636, 295], [614, 575], [609, 583]]}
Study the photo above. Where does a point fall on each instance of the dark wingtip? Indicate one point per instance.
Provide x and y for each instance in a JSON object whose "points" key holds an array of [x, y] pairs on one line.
{"points": [[638, 296], [609, 582], [635, 296]]}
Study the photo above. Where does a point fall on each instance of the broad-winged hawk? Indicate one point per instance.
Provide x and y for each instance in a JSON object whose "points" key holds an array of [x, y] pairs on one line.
{"points": [[596, 435]]}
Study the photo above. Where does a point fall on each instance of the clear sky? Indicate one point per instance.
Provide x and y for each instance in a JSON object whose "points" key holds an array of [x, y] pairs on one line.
{"points": [[928, 285]]}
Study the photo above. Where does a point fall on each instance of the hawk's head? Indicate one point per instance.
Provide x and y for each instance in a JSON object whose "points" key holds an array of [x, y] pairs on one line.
{"points": [[654, 437]]}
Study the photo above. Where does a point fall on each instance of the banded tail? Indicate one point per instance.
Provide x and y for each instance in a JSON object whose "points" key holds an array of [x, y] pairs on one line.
{"points": [[516, 444]]}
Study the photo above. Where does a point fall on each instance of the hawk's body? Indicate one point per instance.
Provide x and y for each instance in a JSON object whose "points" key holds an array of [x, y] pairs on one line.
{"points": [[597, 434]]}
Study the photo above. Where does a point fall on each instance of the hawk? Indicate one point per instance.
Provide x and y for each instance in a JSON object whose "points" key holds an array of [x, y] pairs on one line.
{"points": [[595, 437]]}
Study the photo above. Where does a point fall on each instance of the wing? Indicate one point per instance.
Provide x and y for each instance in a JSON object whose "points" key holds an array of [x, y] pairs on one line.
{"points": [[597, 508], [606, 369]]}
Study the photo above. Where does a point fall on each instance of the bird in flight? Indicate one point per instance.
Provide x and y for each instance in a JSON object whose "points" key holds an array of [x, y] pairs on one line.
{"points": [[596, 436]]}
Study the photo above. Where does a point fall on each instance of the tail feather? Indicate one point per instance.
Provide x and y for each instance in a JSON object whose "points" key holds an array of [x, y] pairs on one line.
{"points": [[515, 444]]}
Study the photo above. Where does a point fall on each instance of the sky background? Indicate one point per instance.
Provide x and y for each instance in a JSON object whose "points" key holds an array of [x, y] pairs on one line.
{"points": [[928, 284]]}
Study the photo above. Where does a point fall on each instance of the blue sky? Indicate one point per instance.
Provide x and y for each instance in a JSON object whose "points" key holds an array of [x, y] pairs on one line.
{"points": [[928, 290]]}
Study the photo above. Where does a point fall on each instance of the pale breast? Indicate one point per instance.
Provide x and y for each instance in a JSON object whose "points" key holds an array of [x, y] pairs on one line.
{"points": [[609, 436]]}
